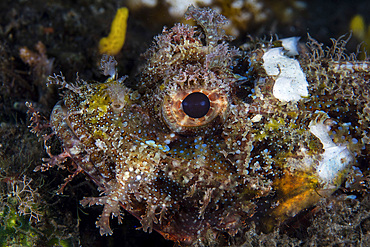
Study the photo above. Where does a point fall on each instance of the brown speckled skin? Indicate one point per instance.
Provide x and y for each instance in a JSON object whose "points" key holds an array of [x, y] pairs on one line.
{"points": [[191, 179]]}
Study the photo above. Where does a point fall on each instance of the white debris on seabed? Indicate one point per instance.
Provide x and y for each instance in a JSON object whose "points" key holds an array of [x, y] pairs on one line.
{"points": [[290, 45], [177, 8], [335, 159], [290, 83]]}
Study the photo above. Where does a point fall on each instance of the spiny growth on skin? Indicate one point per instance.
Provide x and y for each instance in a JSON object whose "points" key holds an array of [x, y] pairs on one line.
{"points": [[251, 152]]}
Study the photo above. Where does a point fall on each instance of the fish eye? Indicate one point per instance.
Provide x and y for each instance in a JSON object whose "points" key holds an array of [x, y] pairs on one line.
{"points": [[196, 105], [195, 110]]}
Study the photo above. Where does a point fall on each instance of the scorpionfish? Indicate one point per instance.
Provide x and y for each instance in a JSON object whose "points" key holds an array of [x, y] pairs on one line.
{"points": [[211, 137]]}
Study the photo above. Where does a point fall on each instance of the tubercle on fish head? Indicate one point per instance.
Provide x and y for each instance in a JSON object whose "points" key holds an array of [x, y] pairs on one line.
{"points": [[181, 65]]}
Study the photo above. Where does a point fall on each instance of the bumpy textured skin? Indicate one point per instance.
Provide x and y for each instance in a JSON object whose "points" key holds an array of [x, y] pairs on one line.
{"points": [[191, 179]]}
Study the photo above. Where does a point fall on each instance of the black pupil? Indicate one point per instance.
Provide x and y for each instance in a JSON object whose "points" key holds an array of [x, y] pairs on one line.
{"points": [[196, 105]]}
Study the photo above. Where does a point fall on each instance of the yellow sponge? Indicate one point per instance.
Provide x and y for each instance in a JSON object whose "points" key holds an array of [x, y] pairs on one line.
{"points": [[357, 25], [112, 44]]}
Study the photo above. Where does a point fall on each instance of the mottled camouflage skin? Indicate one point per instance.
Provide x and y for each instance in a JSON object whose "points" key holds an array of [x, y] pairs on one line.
{"points": [[251, 154]]}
